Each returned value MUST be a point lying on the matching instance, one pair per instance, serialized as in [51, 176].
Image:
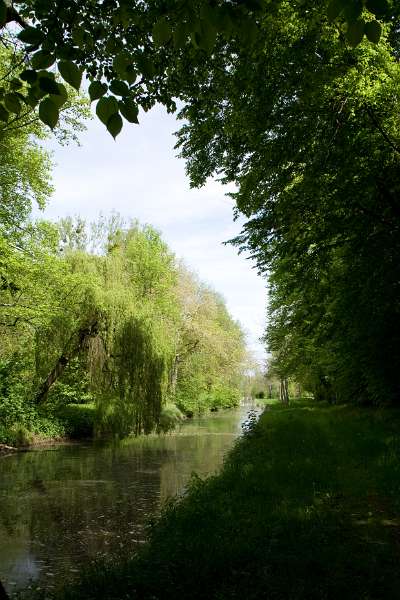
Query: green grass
[306, 507]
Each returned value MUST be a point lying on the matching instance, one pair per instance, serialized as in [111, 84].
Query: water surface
[65, 505]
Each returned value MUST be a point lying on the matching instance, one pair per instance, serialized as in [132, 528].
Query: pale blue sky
[140, 177]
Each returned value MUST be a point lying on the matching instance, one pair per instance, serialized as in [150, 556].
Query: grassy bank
[307, 506]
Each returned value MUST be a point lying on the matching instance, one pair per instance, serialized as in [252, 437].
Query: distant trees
[210, 349]
[124, 328]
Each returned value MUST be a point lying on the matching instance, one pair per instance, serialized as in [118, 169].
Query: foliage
[22, 117]
[210, 352]
[133, 52]
[170, 417]
[79, 419]
[105, 325]
[310, 138]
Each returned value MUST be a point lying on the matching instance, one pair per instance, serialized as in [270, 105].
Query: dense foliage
[115, 330]
[308, 129]
[297, 107]
[132, 51]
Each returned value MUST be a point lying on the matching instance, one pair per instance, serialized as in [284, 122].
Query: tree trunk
[75, 345]
[174, 374]
[284, 391]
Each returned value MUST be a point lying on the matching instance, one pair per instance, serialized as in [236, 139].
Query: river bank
[307, 506]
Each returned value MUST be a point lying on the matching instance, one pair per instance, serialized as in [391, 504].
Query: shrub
[78, 419]
[170, 417]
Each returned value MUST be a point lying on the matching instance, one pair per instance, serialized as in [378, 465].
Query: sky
[140, 176]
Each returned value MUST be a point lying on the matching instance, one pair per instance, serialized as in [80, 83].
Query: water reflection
[60, 507]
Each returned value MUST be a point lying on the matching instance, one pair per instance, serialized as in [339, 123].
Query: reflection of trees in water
[61, 508]
[65, 507]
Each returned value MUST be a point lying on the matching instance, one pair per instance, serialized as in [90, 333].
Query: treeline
[109, 321]
[308, 126]
[101, 329]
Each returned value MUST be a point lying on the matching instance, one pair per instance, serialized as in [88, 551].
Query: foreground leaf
[129, 110]
[373, 31]
[106, 107]
[48, 112]
[12, 103]
[97, 89]
[114, 125]
[4, 114]
[31, 35]
[70, 73]
[161, 32]
[355, 32]
[3, 13]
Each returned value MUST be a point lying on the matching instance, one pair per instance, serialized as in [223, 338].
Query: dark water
[62, 506]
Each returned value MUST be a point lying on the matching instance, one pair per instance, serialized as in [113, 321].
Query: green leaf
[78, 36]
[48, 112]
[355, 32]
[32, 99]
[13, 103]
[335, 8]
[42, 60]
[70, 73]
[48, 85]
[130, 74]
[15, 84]
[353, 10]
[31, 35]
[4, 114]
[119, 88]
[377, 7]
[121, 63]
[129, 110]
[97, 89]
[248, 31]
[145, 65]
[180, 35]
[106, 107]
[161, 32]
[373, 31]
[3, 13]
[29, 75]
[62, 96]
[114, 124]
[207, 38]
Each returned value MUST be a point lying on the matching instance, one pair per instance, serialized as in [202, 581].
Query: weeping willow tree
[118, 325]
[130, 382]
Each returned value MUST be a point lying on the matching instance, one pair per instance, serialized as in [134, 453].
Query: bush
[219, 397]
[78, 419]
[170, 417]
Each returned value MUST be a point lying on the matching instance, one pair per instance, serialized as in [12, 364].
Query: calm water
[63, 506]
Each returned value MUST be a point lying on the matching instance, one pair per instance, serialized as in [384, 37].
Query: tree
[210, 353]
[132, 52]
[310, 138]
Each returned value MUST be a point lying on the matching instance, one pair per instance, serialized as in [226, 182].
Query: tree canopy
[133, 52]
[308, 130]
